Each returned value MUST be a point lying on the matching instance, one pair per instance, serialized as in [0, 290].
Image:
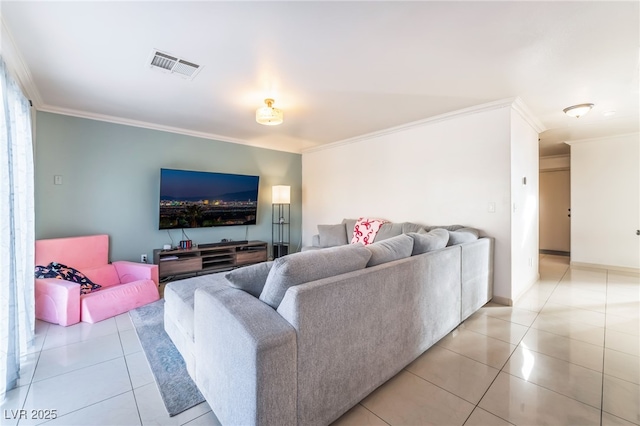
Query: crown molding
[152, 126]
[521, 108]
[515, 103]
[551, 157]
[17, 66]
[623, 135]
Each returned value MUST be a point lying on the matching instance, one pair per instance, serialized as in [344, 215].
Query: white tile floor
[566, 354]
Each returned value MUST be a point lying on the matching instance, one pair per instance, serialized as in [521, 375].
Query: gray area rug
[178, 391]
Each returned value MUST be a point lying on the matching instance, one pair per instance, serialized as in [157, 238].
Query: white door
[555, 202]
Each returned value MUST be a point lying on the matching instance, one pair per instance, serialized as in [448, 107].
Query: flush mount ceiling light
[578, 111]
[268, 115]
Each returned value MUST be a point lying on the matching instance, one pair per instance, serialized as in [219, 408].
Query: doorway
[555, 212]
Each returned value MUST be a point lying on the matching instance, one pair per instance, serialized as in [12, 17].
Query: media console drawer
[179, 266]
[251, 256]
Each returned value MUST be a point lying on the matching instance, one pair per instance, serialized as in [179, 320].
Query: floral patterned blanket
[67, 273]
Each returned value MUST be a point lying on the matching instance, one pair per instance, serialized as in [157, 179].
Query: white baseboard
[609, 267]
[511, 301]
[502, 300]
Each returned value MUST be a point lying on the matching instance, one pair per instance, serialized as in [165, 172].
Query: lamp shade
[281, 194]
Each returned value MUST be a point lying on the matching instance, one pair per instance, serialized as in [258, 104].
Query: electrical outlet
[143, 258]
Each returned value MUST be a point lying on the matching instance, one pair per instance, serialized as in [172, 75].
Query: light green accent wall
[111, 182]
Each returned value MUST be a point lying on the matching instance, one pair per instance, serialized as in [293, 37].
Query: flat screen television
[192, 199]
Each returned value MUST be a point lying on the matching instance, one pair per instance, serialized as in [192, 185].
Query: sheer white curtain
[17, 317]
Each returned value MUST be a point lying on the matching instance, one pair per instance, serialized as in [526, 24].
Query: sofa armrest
[132, 271]
[247, 358]
[57, 301]
[476, 275]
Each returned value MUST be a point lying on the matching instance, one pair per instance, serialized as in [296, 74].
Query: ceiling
[337, 69]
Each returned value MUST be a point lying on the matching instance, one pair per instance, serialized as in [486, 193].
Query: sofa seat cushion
[391, 249]
[463, 235]
[429, 241]
[332, 235]
[250, 278]
[179, 299]
[304, 267]
[117, 299]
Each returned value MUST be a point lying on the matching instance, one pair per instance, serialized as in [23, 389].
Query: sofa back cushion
[105, 275]
[332, 235]
[408, 227]
[448, 227]
[349, 224]
[429, 241]
[250, 278]
[463, 235]
[391, 249]
[80, 252]
[388, 230]
[303, 267]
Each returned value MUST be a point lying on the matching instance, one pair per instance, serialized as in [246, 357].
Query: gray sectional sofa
[301, 340]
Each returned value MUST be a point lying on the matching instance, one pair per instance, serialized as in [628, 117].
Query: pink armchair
[125, 285]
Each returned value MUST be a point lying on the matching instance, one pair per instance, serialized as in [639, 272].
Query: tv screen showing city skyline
[195, 199]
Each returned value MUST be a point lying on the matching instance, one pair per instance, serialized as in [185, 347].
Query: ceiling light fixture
[578, 111]
[268, 115]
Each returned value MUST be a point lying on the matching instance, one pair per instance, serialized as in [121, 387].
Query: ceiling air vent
[173, 65]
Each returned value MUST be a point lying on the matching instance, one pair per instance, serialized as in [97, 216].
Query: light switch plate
[57, 180]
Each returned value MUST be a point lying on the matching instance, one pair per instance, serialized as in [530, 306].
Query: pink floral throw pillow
[365, 230]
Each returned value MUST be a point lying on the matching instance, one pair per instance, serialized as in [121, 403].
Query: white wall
[605, 201]
[524, 205]
[438, 172]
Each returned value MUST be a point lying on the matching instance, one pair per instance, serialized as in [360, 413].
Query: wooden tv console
[205, 260]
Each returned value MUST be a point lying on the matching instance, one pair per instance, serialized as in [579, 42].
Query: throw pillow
[463, 235]
[250, 278]
[391, 249]
[304, 267]
[332, 235]
[432, 240]
[365, 230]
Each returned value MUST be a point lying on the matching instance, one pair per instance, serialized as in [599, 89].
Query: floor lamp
[280, 214]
